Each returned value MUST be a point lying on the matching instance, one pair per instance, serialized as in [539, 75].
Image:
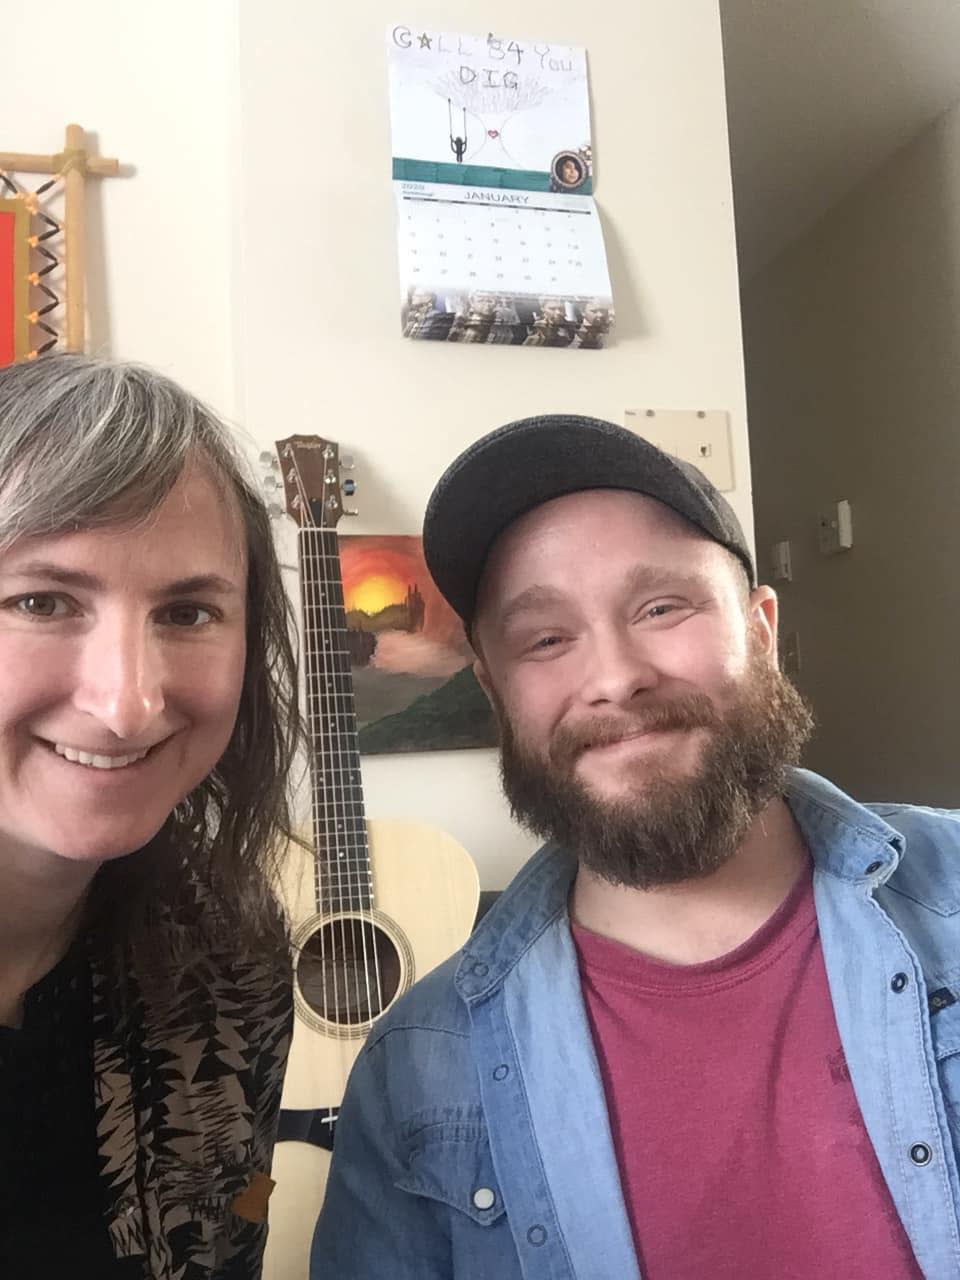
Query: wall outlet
[700, 436]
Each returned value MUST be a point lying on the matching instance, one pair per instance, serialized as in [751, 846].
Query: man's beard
[672, 827]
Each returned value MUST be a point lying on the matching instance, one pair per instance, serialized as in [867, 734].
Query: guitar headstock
[311, 471]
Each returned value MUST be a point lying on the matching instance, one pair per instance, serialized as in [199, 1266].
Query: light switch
[700, 436]
[781, 562]
[835, 528]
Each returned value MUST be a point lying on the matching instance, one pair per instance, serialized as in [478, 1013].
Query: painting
[412, 664]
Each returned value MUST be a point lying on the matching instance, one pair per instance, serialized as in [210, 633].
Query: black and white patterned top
[51, 1199]
[177, 1113]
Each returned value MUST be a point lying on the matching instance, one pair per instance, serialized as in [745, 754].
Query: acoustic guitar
[374, 905]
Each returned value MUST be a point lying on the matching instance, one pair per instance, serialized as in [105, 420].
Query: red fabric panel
[7, 292]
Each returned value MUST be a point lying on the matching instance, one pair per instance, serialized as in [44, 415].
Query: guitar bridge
[315, 1126]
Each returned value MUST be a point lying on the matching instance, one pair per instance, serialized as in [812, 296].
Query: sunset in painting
[375, 592]
[413, 684]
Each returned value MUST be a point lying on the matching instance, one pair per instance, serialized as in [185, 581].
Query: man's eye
[188, 615]
[42, 605]
[656, 611]
[547, 642]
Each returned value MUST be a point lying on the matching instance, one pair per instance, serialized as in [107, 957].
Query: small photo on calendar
[498, 235]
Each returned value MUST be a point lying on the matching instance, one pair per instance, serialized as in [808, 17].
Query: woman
[147, 724]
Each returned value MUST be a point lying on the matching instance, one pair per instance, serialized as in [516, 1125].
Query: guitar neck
[343, 876]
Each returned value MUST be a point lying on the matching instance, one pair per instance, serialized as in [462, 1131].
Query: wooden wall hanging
[42, 249]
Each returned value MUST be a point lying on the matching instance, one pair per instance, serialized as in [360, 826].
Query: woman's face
[570, 172]
[122, 654]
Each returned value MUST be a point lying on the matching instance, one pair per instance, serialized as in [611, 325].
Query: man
[595, 323]
[550, 328]
[711, 1028]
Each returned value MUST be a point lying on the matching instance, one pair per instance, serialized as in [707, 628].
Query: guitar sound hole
[349, 971]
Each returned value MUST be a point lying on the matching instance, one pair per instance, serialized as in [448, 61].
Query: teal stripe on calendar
[477, 175]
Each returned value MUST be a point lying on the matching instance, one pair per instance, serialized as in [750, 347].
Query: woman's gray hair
[86, 443]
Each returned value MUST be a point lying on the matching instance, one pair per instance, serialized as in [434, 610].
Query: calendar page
[498, 234]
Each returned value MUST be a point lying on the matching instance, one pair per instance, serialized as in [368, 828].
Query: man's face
[121, 647]
[628, 669]
[594, 314]
[553, 312]
[483, 305]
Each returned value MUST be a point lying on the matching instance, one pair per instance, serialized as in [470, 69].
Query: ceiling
[819, 93]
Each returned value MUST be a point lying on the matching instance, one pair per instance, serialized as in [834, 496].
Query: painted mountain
[412, 677]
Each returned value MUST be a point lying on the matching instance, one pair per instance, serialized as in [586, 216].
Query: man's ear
[763, 614]
[483, 680]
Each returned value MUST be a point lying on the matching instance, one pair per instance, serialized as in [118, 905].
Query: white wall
[853, 338]
[251, 252]
[320, 294]
[153, 84]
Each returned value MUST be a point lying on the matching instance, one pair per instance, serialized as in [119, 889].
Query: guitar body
[425, 890]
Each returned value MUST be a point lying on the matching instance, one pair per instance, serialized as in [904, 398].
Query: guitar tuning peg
[266, 458]
[349, 487]
[347, 462]
[274, 510]
[270, 483]
[350, 511]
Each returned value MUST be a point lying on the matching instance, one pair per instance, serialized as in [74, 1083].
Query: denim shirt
[474, 1142]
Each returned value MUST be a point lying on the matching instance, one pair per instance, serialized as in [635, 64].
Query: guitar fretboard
[343, 877]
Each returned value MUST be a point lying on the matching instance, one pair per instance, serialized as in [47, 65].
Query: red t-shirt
[742, 1151]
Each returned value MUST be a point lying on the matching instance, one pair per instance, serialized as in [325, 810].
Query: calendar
[499, 239]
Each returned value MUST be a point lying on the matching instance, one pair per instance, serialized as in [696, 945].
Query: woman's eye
[42, 605]
[188, 615]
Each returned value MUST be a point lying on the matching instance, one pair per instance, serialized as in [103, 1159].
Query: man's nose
[618, 667]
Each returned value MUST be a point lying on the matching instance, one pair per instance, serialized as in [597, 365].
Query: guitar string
[346, 837]
[349, 738]
[331, 845]
[330, 612]
[321, 770]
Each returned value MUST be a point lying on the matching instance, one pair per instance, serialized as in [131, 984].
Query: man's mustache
[696, 711]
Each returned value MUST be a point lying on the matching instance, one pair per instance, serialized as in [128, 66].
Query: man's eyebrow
[80, 579]
[639, 580]
[654, 578]
[528, 600]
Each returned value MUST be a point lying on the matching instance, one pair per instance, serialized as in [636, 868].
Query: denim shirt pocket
[446, 1158]
[945, 1032]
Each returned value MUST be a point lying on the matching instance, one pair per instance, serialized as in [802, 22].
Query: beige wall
[153, 84]
[853, 369]
[251, 253]
[321, 295]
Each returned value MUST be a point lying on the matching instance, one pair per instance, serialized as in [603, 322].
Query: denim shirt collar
[845, 839]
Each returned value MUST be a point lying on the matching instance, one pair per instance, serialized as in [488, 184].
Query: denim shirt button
[920, 1153]
[501, 1072]
[900, 980]
[480, 970]
[537, 1235]
[484, 1198]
